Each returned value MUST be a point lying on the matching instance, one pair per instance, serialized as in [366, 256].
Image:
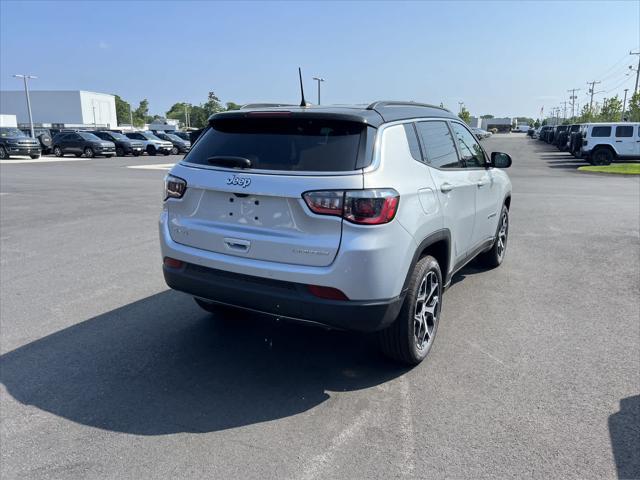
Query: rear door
[455, 186]
[625, 142]
[259, 212]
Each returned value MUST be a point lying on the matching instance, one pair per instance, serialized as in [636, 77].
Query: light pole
[319, 80]
[26, 77]
[130, 117]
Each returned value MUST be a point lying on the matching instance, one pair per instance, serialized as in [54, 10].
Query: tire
[45, 140]
[494, 257]
[34, 156]
[410, 337]
[151, 151]
[137, 154]
[119, 152]
[89, 153]
[601, 156]
[78, 155]
[175, 151]
[57, 151]
[3, 153]
[167, 153]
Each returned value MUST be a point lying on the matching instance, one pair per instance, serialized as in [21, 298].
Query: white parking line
[157, 166]
[16, 161]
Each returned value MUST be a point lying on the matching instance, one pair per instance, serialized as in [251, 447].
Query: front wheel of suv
[151, 150]
[89, 153]
[57, 151]
[175, 151]
[3, 153]
[410, 337]
[494, 257]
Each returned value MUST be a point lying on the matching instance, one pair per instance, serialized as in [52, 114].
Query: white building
[61, 106]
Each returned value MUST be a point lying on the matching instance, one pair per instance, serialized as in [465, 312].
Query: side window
[601, 132]
[440, 151]
[471, 154]
[624, 131]
[412, 138]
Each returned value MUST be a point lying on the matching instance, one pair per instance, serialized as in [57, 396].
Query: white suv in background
[603, 143]
[349, 217]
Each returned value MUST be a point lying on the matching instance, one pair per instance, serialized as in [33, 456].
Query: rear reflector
[328, 293]
[172, 262]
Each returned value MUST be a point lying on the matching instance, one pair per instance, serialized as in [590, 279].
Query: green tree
[536, 124]
[122, 111]
[233, 106]
[633, 109]
[141, 114]
[485, 117]
[465, 115]
[611, 110]
[212, 104]
[178, 111]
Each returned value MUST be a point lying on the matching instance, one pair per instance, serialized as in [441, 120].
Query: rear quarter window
[624, 131]
[601, 132]
[284, 144]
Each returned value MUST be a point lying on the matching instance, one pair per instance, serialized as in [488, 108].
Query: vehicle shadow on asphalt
[161, 365]
[624, 429]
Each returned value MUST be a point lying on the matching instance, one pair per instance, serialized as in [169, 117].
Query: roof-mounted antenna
[303, 102]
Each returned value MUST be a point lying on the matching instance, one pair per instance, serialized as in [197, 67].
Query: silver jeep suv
[349, 217]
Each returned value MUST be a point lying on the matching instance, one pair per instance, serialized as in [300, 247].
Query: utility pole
[460, 105]
[186, 116]
[26, 77]
[573, 100]
[318, 79]
[591, 91]
[564, 110]
[130, 116]
[635, 90]
[624, 104]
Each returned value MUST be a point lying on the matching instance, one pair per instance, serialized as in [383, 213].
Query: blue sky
[503, 58]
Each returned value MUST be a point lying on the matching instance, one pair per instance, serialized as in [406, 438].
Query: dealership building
[69, 107]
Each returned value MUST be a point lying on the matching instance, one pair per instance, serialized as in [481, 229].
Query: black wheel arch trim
[442, 235]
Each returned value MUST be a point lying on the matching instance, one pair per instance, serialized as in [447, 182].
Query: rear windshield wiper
[229, 162]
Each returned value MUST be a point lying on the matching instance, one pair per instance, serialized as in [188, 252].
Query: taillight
[172, 262]
[174, 187]
[364, 207]
[370, 207]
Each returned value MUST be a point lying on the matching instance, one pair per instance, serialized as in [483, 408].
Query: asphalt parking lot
[107, 374]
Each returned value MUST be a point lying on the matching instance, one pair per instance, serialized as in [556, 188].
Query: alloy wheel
[502, 235]
[425, 317]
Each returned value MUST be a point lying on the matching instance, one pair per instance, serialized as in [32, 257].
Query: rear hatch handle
[237, 244]
[229, 161]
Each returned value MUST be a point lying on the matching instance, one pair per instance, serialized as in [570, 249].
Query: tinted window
[601, 132]
[282, 143]
[438, 144]
[624, 131]
[471, 154]
[412, 138]
[575, 128]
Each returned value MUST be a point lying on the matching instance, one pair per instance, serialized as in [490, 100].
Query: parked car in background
[575, 146]
[182, 135]
[603, 143]
[43, 135]
[354, 218]
[530, 132]
[82, 143]
[542, 134]
[560, 138]
[480, 133]
[124, 145]
[179, 145]
[152, 144]
[572, 132]
[14, 142]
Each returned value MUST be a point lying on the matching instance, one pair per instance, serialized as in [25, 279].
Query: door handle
[482, 183]
[237, 244]
[446, 187]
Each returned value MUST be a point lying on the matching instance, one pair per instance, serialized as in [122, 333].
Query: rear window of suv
[283, 144]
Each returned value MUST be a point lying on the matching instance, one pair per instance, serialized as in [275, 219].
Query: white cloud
[103, 45]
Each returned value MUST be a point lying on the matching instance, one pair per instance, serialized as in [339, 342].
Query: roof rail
[401, 103]
[266, 105]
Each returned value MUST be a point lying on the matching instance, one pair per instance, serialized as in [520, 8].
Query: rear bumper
[282, 299]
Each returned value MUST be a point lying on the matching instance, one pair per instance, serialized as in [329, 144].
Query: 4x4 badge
[242, 181]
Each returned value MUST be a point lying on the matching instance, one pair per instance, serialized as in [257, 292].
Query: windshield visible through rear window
[285, 144]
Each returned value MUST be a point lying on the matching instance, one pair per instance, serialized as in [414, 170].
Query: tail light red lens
[174, 187]
[325, 203]
[364, 207]
[328, 293]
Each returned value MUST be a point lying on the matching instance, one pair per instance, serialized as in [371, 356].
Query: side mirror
[500, 160]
